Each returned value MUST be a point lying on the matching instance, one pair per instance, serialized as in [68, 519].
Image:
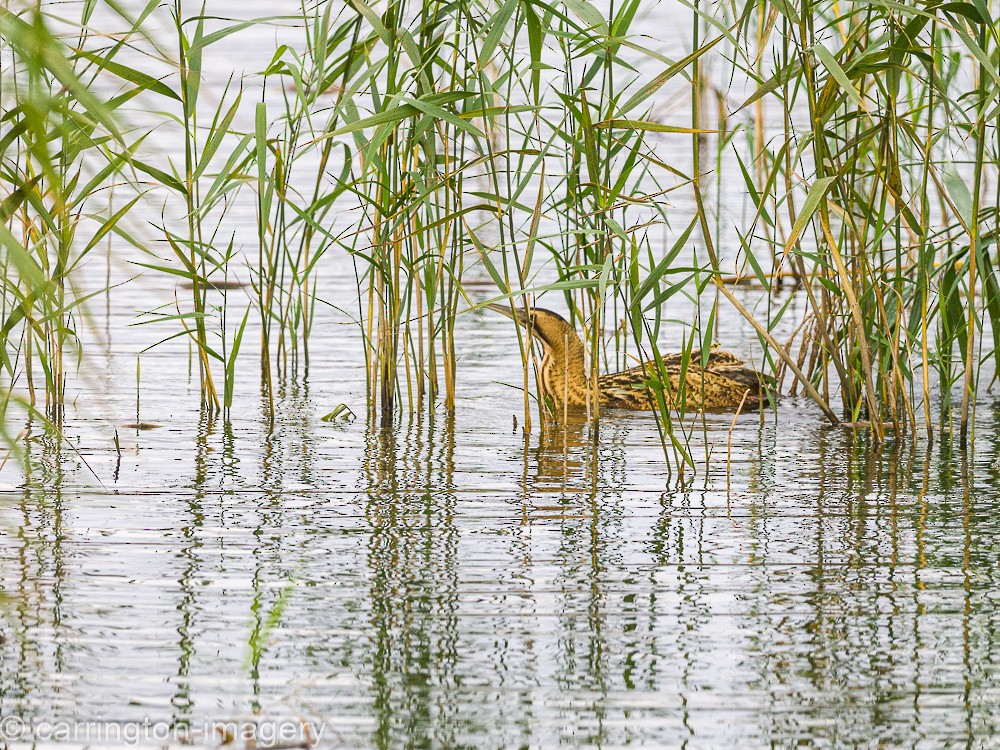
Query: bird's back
[722, 383]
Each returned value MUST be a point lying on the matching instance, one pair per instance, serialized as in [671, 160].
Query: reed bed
[538, 146]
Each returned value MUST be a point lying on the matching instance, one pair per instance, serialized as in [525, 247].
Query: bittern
[723, 382]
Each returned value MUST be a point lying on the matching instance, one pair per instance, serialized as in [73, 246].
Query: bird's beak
[505, 310]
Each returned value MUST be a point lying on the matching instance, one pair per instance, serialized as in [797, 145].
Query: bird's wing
[716, 358]
[632, 378]
[721, 384]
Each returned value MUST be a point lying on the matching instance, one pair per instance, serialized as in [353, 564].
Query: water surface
[456, 582]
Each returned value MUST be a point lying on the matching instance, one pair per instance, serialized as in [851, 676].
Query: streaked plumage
[720, 384]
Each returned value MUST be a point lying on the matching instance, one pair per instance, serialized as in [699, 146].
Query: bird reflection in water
[570, 465]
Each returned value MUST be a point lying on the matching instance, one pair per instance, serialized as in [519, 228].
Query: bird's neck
[563, 377]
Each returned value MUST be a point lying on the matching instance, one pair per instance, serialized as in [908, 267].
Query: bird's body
[724, 381]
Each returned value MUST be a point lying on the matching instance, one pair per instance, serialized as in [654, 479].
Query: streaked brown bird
[722, 383]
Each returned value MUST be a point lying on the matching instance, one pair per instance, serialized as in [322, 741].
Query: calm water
[455, 583]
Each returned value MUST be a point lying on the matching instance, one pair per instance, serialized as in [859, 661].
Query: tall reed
[60, 148]
[526, 143]
[871, 187]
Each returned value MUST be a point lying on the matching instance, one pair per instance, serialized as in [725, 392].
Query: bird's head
[552, 330]
[561, 375]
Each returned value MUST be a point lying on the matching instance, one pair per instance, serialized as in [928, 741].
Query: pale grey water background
[455, 584]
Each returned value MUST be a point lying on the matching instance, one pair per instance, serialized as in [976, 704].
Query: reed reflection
[413, 582]
[849, 614]
[577, 503]
[35, 574]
